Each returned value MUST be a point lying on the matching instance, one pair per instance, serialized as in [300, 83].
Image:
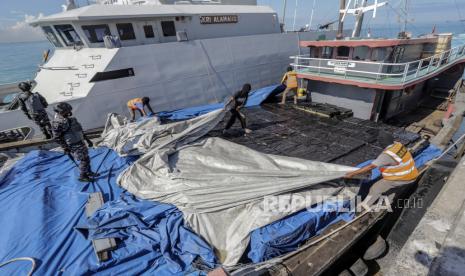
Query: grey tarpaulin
[8, 160]
[220, 186]
[140, 137]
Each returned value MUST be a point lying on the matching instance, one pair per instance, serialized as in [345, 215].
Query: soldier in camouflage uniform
[68, 133]
[33, 105]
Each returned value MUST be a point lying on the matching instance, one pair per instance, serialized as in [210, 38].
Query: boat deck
[291, 131]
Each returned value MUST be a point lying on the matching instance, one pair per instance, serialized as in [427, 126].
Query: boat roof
[372, 43]
[102, 12]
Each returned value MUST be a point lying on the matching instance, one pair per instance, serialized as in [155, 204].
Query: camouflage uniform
[68, 133]
[33, 105]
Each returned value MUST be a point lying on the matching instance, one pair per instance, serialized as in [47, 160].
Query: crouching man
[69, 134]
[397, 167]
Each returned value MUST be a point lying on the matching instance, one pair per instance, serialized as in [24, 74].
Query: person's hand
[349, 176]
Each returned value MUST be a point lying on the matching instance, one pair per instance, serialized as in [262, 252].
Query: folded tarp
[220, 186]
[255, 99]
[42, 203]
[140, 137]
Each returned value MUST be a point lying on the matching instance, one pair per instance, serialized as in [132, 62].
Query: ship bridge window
[148, 30]
[126, 31]
[379, 54]
[68, 34]
[343, 52]
[361, 53]
[51, 36]
[327, 52]
[168, 27]
[95, 33]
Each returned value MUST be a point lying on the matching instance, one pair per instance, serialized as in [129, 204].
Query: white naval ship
[178, 53]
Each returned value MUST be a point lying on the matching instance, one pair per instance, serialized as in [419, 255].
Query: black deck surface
[285, 130]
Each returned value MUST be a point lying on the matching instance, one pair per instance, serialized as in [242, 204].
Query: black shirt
[240, 98]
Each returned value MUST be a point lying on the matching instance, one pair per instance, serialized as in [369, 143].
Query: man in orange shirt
[290, 80]
[139, 104]
[397, 167]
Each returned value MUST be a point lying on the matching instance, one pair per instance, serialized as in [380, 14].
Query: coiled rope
[33, 267]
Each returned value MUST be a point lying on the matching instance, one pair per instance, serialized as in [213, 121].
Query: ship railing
[378, 72]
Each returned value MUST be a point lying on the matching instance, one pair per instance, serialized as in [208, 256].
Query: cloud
[21, 31]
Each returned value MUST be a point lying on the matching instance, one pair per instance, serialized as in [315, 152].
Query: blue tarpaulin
[43, 203]
[255, 99]
[286, 235]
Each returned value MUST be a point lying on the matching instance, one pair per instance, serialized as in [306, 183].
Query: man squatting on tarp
[139, 104]
[69, 134]
[397, 167]
[239, 100]
[33, 105]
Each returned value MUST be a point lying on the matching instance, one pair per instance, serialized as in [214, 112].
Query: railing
[58, 68]
[377, 72]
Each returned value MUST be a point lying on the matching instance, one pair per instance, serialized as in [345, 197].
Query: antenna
[359, 9]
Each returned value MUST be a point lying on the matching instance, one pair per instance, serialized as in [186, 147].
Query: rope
[22, 259]
[450, 148]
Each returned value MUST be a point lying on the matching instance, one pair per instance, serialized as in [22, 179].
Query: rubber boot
[86, 178]
[92, 174]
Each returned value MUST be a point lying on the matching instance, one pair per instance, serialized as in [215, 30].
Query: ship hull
[174, 75]
[382, 104]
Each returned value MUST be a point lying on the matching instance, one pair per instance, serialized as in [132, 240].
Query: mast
[405, 12]
[284, 14]
[359, 10]
[311, 16]
[295, 14]
[340, 28]
[359, 20]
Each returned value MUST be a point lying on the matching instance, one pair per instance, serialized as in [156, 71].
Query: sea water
[20, 61]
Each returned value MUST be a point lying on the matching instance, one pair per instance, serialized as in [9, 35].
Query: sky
[15, 14]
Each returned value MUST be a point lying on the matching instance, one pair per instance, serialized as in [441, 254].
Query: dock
[436, 246]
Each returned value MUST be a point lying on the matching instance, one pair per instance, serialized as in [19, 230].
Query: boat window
[95, 33]
[327, 52]
[343, 51]
[148, 30]
[51, 36]
[379, 54]
[360, 53]
[68, 34]
[169, 29]
[113, 75]
[126, 31]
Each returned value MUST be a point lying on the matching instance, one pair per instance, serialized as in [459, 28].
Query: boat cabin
[378, 78]
[114, 26]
